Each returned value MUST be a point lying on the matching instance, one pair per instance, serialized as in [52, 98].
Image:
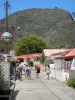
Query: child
[28, 71]
[37, 71]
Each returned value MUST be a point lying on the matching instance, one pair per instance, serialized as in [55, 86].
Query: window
[67, 66]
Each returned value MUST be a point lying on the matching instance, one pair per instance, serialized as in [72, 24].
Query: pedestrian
[36, 62]
[28, 72]
[24, 69]
[48, 71]
[17, 72]
[37, 71]
[20, 69]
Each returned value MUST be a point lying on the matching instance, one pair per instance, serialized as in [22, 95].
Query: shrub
[71, 82]
[31, 63]
[42, 59]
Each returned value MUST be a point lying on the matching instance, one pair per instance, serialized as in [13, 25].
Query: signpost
[6, 38]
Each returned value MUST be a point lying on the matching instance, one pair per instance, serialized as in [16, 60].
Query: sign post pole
[6, 38]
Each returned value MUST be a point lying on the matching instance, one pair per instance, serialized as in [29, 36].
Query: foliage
[71, 82]
[62, 36]
[30, 63]
[55, 25]
[30, 44]
[42, 59]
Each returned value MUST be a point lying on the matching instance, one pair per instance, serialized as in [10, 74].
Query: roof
[29, 55]
[61, 54]
[70, 54]
[49, 52]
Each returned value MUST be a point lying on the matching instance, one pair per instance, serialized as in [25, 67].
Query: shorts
[38, 71]
[28, 70]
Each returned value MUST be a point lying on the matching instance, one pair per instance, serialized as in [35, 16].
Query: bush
[42, 59]
[71, 82]
[31, 63]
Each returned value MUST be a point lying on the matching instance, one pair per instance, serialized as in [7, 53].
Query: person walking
[17, 76]
[36, 62]
[28, 72]
[24, 69]
[48, 71]
[37, 71]
[20, 69]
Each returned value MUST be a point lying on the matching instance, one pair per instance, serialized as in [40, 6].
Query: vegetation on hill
[55, 25]
[62, 35]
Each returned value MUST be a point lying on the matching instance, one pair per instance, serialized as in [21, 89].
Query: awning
[29, 56]
[70, 54]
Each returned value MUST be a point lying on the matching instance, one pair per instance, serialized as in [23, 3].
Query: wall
[72, 74]
[58, 71]
[65, 76]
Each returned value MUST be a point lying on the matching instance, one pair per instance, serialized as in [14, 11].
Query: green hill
[55, 25]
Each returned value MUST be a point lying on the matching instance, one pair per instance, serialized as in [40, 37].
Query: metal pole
[6, 4]
[6, 22]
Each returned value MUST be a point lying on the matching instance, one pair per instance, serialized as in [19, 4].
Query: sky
[17, 5]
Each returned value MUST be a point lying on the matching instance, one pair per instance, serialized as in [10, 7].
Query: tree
[1, 47]
[30, 44]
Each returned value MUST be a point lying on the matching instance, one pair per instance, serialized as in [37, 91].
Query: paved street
[42, 89]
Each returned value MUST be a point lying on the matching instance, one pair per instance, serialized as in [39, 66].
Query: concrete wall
[72, 74]
[58, 71]
[65, 76]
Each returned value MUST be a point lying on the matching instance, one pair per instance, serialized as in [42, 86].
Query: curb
[12, 91]
[62, 82]
[11, 95]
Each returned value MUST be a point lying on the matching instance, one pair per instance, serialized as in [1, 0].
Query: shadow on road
[15, 94]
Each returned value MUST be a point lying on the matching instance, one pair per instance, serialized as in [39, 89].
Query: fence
[4, 76]
[61, 70]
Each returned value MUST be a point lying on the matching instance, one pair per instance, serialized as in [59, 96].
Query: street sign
[6, 37]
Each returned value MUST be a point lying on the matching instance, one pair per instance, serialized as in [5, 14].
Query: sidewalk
[42, 89]
[59, 89]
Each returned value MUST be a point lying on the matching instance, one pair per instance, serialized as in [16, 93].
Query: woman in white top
[47, 71]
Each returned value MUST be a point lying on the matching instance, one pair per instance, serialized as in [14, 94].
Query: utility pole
[6, 22]
[6, 8]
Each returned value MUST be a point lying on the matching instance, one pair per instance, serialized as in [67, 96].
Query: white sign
[73, 64]
[6, 37]
[12, 52]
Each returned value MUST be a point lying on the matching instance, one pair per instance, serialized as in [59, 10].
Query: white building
[62, 66]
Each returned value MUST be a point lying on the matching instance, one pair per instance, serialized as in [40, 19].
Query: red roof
[29, 55]
[70, 54]
[50, 52]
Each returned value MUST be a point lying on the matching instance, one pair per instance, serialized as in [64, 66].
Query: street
[42, 89]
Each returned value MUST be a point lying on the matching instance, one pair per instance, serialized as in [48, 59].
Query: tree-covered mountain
[55, 25]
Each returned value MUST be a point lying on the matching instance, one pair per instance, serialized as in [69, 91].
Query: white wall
[65, 76]
[57, 63]
[25, 60]
[57, 72]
